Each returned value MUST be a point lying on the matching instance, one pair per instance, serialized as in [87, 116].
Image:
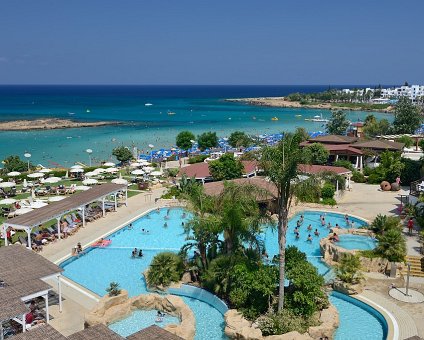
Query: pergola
[22, 278]
[58, 209]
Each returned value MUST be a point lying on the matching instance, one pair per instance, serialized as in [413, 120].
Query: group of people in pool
[323, 222]
[137, 253]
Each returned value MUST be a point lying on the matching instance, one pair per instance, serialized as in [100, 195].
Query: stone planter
[111, 309]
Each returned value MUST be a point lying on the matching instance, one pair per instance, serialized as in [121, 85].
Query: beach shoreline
[282, 102]
[49, 124]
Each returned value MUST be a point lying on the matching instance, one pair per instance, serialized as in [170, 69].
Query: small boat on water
[274, 118]
[171, 113]
[88, 111]
[71, 113]
[317, 118]
[148, 104]
[298, 116]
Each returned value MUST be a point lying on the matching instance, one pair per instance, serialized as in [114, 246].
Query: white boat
[317, 118]
[71, 113]
[171, 113]
[148, 104]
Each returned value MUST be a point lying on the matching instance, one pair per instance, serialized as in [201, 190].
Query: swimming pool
[140, 319]
[357, 319]
[360, 242]
[114, 263]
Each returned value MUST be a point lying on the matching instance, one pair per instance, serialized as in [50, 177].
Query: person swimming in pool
[297, 236]
[316, 232]
[145, 231]
[309, 238]
[301, 219]
[140, 253]
[296, 230]
[165, 225]
[130, 226]
[298, 223]
[309, 227]
[134, 253]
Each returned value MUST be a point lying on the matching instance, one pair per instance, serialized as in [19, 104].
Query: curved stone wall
[111, 309]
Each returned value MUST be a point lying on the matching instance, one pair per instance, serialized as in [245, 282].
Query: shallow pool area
[357, 319]
[359, 242]
[140, 319]
[163, 231]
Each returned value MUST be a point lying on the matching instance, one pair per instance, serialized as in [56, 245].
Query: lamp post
[151, 146]
[89, 151]
[27, 155]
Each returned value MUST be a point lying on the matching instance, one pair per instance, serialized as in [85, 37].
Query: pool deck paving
[364, 201]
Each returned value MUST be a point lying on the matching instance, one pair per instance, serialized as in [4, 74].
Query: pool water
[140, 319]
[310, 248]
[357, 319]
[100, 266]
[359, 242]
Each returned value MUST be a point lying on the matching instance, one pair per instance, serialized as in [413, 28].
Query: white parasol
[37, 204]
[75, 170]
[112, 170]
[1, 179]
[156, 173]
[35, 175]
[90, 174]
[22, 211]
[52, 180]
[13, 173]
[81, 188]
[148, 168]
[137, 172]
[76, 166]
[7, 185]
[89, 181]
[119, 181]
[45, 171]
[99, 170]
[109, 164]
[8, 201]
[56, 198]
[136, 164]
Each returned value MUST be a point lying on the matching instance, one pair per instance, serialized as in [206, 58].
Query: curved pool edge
[392, 325]
[389, 319]
[318, 209]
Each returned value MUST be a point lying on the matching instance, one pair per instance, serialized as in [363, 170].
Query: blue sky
[211, 42]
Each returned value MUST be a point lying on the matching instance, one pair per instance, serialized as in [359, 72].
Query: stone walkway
[406, 324]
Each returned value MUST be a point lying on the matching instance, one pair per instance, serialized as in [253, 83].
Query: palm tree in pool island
[280, 164]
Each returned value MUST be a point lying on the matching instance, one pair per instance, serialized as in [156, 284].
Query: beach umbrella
[137, 172]
[52, 180]
[7, 185]
[22, 211]
[89, 181]
[90, 174]
[38, 204]
[148, 168]
[56, 198]
[109, 164]
[76, 170]
[156, 173]
[76, 166]
[81, 188]
[45, 171]
[99, 170]
[8, 201]
[112, 170]
[13, 174]
[1, 179]
[35, 175]
[119, 181]
[136, 164]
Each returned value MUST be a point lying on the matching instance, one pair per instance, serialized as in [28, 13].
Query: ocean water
[196, 108]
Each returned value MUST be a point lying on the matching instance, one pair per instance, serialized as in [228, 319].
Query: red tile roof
[316, 169]
[201, 170]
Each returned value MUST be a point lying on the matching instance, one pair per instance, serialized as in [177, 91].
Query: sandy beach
[48, 124]
[283, 102]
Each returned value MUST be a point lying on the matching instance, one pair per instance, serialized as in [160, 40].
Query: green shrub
[408, 141]
[329, 201]
[357, 177]
[411, 171]
[328, 191]
[172, 172]
[284, 322]
[367, 171]
[197, 159]
[375, 178]
[164, 269]
[344, 163]
[383, 223]
[171, 193]
[349, 269]
[113, 289]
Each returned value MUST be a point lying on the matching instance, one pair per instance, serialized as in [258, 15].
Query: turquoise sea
[196, 108]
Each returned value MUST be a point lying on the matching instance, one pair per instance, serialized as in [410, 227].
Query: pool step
[416, 266]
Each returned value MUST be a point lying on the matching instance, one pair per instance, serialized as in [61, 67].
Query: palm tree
[165, 268]
[392, 245]
[280, 163]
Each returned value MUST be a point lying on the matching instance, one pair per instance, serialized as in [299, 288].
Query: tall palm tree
[280, 164]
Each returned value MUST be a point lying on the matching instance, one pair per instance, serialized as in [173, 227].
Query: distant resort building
[390, 95]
